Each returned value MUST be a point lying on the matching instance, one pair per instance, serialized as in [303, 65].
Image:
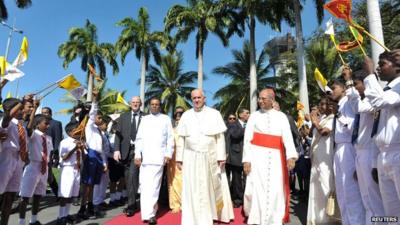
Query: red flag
[340, 9]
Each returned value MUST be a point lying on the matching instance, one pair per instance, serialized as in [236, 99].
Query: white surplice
[264, 200]
[205, 190]
[154, 141]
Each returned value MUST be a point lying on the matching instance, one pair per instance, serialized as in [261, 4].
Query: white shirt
[388, 102]
[67, 145]
[94, 139]
[36, 146]
[366, 111]
[344, 121]
[270, 122]
[155, 139]
[11, 143]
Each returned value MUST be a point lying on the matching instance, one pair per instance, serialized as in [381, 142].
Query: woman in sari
[322, 178]
[174, 174]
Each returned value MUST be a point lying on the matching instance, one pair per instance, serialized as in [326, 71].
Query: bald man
[268, 154]
[124, 152]
[200, 153]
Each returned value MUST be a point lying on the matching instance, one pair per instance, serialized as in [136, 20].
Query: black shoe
[152, 221]
[36, 223]
[70, 219]
[129, 211]
[62, 221]
[99, 214]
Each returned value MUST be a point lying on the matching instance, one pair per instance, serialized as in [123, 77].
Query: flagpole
[340, 54]
[52, 84]
[362, 29]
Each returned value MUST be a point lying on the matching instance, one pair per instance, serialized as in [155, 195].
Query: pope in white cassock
[201, 156]
[268, 154]
[153, 149]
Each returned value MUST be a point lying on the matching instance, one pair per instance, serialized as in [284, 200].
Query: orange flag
[340, 9]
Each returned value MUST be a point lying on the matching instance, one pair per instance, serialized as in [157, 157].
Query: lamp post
[12, 30]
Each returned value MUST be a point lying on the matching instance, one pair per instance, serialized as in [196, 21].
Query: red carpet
[165, 217]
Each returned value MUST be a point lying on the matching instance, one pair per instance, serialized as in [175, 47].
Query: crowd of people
[345, 156]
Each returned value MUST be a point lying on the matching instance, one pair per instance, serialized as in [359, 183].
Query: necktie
[356, 127]
[44, 155]
[23, 153]
[334, 129]
[377, 115]
[133, 128]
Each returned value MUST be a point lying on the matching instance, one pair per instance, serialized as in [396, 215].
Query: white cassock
[154, 142]
[347, 189]
[366, 157]
[266, 138]
[205, 190]
[388, 141]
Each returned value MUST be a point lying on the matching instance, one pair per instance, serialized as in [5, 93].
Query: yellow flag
[9, 95]
[321, 81]
[300, 106]
[120, 99]
[23, 53]
[3, 64]
[69, 83]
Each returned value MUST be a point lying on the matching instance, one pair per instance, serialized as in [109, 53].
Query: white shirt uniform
[154, 141]
[264, 200]
[33, 181]
[69, 173]
[347, 189]
[387, 140]
[94, 138]
[11, 164]
[366, 156]
[205, 190]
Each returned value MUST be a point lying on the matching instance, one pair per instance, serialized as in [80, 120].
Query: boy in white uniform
[71, 150]
[14, 150]
[34, 178]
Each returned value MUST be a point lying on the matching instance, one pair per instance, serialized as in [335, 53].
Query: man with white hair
[201, 155]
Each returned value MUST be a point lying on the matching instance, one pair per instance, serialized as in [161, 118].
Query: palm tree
[136, 35]
[83, 42]
[271, 12]
[231, 99]
[202, 17]
[168, 82]
[303, 91]
[20, 4]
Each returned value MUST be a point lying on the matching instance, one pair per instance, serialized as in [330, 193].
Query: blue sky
[46, 24]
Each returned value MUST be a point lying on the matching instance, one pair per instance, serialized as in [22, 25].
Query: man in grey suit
[124, 152]
[234, 166]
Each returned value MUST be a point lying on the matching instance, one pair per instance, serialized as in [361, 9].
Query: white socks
[67, 208]
[33, 219]
[61, 212]
[21, 221]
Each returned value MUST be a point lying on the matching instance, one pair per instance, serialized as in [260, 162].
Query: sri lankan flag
[346, 46]
[340, 9]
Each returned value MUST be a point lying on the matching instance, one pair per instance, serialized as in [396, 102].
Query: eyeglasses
[231, 118]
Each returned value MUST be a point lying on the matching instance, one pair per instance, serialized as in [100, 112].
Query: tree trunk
[303, 91]
[375, 28]
[90, 86]
[253, 71]
[142, 78]
[200, 66]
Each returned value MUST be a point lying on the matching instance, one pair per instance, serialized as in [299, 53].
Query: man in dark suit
[234, 166]
[128, 124]
[55, 131]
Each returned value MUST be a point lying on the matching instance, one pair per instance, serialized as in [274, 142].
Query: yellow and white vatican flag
[121, 99]
[321, 81]
[71, 84]
[9, 72]
[23, 54]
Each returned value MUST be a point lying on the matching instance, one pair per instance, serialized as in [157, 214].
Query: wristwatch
[349, 83]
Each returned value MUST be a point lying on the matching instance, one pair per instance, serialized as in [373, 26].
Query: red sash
[276, 142]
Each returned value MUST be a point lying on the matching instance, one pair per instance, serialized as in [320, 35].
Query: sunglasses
[231, 118]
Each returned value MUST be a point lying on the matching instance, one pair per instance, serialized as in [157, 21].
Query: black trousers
[132, 181]
[236, 183]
